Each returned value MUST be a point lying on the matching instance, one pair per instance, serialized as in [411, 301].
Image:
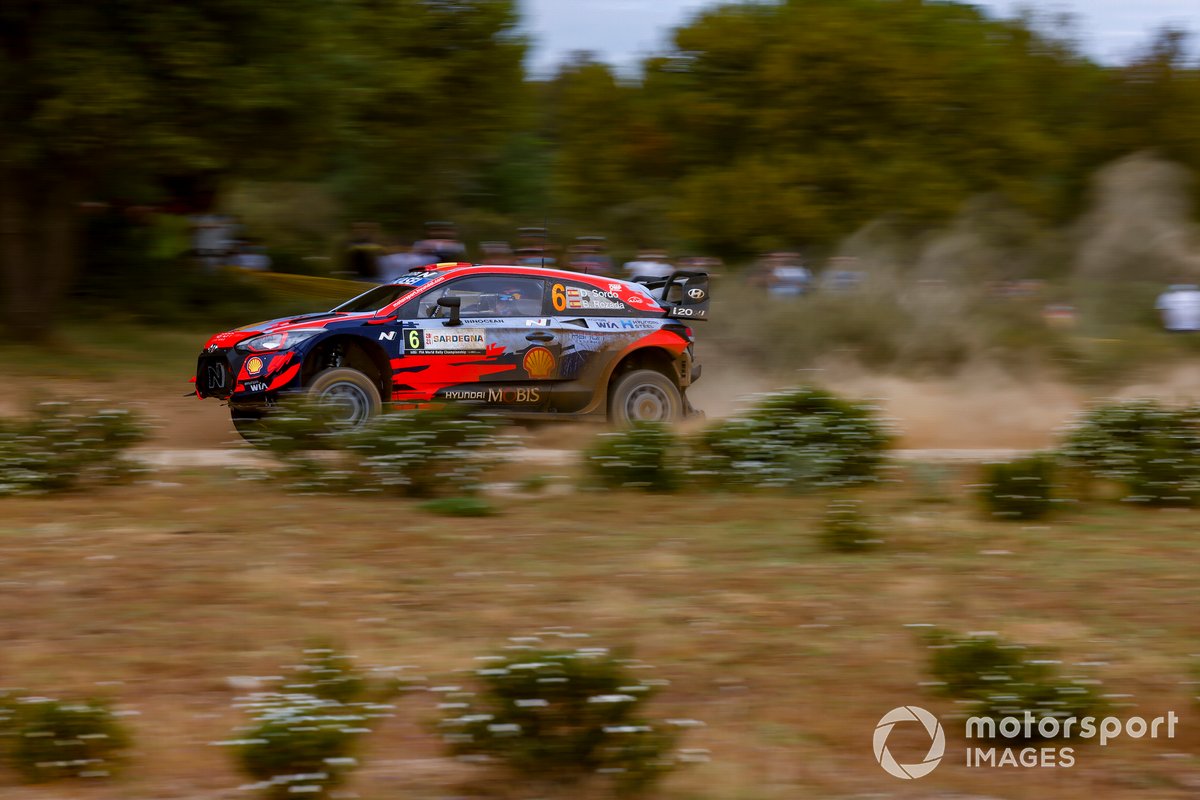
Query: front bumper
[226, 374]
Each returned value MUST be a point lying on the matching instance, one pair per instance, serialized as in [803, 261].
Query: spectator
[649, 264]
[786, 275]
[212, 238]
[250, 254]
[1180, 308]
[362, 254]
[441, 241]
[588, 256]
[399, 260]
[498, 253]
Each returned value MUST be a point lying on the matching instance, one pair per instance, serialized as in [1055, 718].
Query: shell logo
[254, 365]
[539, 363]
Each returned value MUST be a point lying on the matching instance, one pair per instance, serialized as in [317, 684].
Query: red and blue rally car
[525, 341]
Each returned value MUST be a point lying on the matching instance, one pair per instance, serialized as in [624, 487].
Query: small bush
[57, 448]
[1019, 490]
[427, 453]
[644, 456]
[303, 739]
[557, 716]
[460, 507]
[800, 439]
[998, 679]
[299, 743]
[329, 674]
[52, 739]
[846, 529]
[1152, 450]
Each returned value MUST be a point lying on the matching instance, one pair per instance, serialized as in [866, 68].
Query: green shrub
[299, 743]
[644, 456]
[1150, 449]
[57, 448]
[52, 739]
[799, 439]
[425, 453]
[1021, 489]
[460, 507]
[558, 716]
[329, 674]
[302, 740]
[845, 529]
[998, 679]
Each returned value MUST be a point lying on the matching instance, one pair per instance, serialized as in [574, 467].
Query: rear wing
[684, 294]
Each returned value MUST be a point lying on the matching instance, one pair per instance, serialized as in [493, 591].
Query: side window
[487, 296]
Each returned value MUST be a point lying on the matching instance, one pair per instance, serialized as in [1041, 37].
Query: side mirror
[455, 306]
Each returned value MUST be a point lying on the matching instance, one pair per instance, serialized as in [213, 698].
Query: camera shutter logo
[937, 747]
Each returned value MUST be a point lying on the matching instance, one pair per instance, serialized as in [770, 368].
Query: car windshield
[375, 299]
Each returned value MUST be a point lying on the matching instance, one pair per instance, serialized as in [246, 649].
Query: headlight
[273, 342]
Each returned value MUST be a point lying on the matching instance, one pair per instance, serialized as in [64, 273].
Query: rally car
[524, 341]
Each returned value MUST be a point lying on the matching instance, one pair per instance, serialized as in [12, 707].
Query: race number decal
[447, 342]
[558, 297]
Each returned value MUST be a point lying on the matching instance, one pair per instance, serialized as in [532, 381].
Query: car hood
[283, 324]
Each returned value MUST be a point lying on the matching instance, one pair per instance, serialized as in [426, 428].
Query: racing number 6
[414, 339]
[558, 297]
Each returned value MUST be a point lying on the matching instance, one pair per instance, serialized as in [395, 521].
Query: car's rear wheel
[351, 397]
[645, 395]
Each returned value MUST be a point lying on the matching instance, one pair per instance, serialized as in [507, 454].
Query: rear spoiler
[684, 294]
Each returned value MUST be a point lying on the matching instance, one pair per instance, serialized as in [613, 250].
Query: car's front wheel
[351, 397]
[645, 395]
[248, 422]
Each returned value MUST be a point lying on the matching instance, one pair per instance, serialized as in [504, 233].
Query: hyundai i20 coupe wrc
[523, 341]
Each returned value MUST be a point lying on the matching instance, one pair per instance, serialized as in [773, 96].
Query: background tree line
[763, 125]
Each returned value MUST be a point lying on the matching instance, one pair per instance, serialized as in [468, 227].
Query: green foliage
[1022, 489]
[561, 716]
[998, 679]
[845, 529]
[804, 438]
[329, 674]
[299, 743]
[53, 740]
[460, 507]
[426, 453]
[59, 447]
[303, 740]
[1151, 449]
[644, 456]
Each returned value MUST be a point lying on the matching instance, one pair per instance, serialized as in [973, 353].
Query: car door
[503, 354]
[595, 322]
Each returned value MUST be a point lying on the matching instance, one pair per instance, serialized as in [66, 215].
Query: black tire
[644, 395]
[248, 422]
[352, 396]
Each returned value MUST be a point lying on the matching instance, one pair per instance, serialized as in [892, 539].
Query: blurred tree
[401, 103]
[434, 95]
[800, 121]
[103, 95]
[1154, 102]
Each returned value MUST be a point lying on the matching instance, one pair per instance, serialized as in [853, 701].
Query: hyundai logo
[696, 294]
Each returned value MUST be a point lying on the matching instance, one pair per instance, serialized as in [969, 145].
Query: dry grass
[155, 595]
